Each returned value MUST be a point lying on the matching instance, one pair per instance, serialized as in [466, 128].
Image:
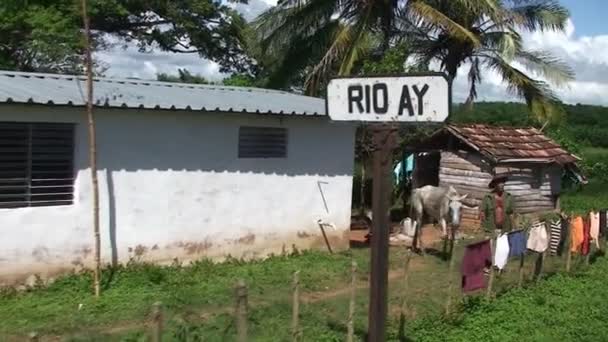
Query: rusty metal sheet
[513, 143]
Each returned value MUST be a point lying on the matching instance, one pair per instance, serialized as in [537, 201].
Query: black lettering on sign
[420, 95]
[406, 101]
[380, 91]
[355, 96]
[367, 98]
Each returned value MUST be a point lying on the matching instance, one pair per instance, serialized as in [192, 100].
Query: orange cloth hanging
[578, 234]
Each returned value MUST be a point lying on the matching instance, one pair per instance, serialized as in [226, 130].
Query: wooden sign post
[386, 101]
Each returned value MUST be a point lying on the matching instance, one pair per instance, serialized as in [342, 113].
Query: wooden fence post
[448, 303]
[521, 270]
[157, 321]
[241, 311]
[350, 324]
[569, 251]
[295, 314]
[539, 265]
[491, 280]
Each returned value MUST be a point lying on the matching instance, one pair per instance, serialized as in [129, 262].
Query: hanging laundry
[603, 222]
[578, 235]
[501, 254]
[594, 232]
[538, 240]
[586, 236]
[556, 233]
[517, 243]
[565, 226]
[477, 257]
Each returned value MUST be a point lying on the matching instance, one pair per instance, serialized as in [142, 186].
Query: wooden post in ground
[569, 251]
[241, 311]
[157, 322]
[521, 270]
[350, 324]
[295, 314]
[491, 280]
[538, 267]
[448, 303]
[384, 143]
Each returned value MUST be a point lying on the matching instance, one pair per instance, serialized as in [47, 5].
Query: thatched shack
[468, 156]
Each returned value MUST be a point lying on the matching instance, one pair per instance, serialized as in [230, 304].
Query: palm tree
[499, 48]
[312, 40]
[315, 39]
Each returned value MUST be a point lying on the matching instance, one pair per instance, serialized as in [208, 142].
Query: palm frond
[278, 25]
[546, 65]
[541, 16]
[474, 78]
[505, 43]
[432, 15]
[543, 103]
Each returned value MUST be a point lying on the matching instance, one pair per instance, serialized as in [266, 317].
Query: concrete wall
[171, 186]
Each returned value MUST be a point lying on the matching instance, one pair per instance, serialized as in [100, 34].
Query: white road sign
[408, 98]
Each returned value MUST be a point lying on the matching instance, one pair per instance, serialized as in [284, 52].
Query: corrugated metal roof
[50, 89]
[511, 144]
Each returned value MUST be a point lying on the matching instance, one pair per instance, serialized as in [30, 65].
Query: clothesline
[542, 236]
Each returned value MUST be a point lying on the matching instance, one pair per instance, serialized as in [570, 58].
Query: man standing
[496, 213]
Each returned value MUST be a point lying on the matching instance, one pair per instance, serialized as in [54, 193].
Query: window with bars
[262, 142]
[36, 164]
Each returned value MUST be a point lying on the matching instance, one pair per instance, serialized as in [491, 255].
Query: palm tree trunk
[92, 149]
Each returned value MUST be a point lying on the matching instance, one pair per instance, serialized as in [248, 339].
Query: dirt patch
[247, 239]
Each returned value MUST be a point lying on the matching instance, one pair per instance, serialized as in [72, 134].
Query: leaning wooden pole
[92, 149]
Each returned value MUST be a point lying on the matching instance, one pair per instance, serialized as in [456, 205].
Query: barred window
[36, 164]
[262, 142]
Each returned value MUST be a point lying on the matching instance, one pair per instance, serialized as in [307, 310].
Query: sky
[583, 46]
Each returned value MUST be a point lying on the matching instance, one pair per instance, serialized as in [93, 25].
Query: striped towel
[556, 231]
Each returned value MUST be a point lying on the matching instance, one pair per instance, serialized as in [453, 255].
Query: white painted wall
[171, 186]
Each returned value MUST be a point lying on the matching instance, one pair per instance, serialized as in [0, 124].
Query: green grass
[562, 308]
[198, 300]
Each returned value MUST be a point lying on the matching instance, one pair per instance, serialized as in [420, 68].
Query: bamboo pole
[241, 311]
[157, 322]
[350, 324]
[295, 314]
[92, 149]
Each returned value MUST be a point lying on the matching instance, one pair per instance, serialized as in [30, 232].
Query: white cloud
[587, 55]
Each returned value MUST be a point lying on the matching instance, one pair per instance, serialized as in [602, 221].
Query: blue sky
[589, 16]
[583, 46]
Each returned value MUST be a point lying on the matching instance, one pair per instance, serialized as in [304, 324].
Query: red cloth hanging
[586, 236]
[477, 256]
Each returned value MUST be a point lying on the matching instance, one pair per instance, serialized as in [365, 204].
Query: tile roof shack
[50, 89]
[468, 156]
[503, 144]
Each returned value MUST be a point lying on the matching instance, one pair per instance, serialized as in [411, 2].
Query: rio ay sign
[408, 98]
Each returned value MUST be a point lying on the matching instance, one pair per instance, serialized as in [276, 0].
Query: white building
[185, 172]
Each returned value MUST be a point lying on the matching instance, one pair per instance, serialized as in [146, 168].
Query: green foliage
[240, 80]
[42, 35]
[183, 76]
[563, 308]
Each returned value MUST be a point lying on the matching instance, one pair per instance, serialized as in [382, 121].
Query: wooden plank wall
[469, 174]
[533, 186]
